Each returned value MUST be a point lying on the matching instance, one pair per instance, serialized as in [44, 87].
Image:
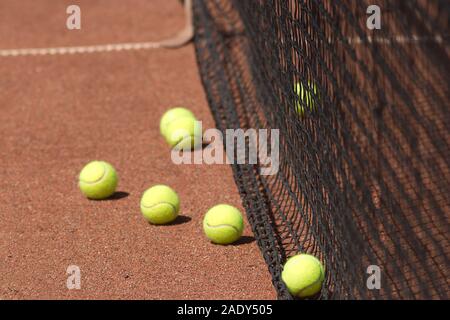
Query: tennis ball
[98, 180]
[303, 275]
[306, 97]
[184, 133]
[160, 204]
[171, 115]
[223, 224]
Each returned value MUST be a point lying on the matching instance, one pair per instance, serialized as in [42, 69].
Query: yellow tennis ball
[183, 133]
[160, 204]
[223, 224]
[303, 275]
[98, 180]
[171, 115]
[306, 96]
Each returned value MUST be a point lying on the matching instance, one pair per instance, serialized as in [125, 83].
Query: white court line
[184, 39]
[80, 50]
[396, 39]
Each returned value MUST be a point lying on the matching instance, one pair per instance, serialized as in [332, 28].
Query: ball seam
[322, 275]
[159, 203]
[98, 180]
[223, 225]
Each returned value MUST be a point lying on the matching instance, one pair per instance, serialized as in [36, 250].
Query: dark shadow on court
[179, 220]
[116, 196]
[244, 240]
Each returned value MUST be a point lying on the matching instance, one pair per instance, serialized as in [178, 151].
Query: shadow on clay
[115, 196]
[179, 220]
[244, 240]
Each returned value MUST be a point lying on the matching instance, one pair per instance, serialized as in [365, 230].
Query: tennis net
[364, 152]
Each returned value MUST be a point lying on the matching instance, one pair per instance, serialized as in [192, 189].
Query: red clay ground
[58, 113]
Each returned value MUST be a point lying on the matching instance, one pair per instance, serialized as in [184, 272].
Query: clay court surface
[60, 112]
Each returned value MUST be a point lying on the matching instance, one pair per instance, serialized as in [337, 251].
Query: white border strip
[80, 50]
[396, 39]
[183, 39]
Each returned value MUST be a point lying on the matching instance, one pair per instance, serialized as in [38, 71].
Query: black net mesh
[364, 155]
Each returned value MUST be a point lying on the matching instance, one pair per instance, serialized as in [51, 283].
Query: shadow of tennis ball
[307, 97]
